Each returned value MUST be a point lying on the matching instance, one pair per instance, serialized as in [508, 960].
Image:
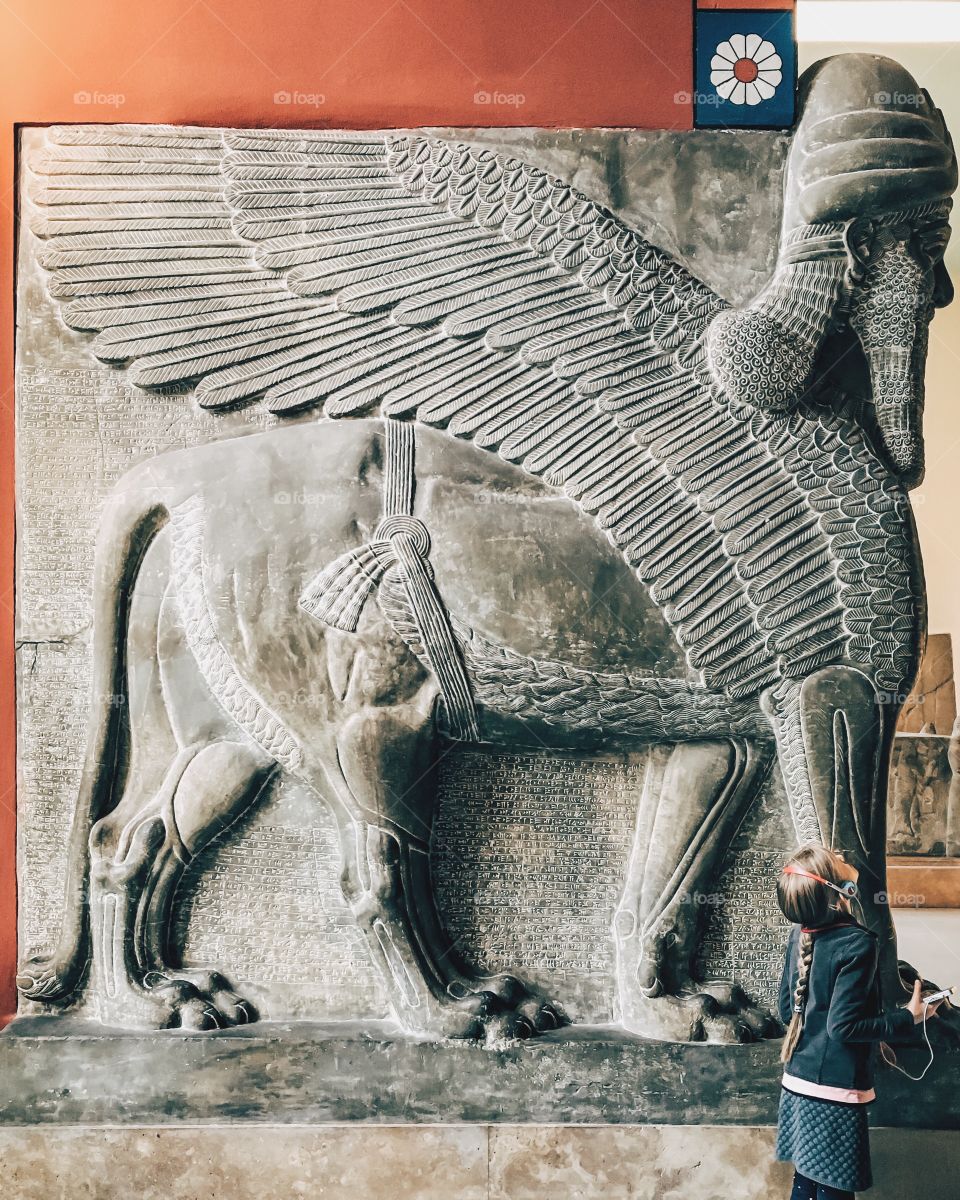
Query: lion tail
[130, 522]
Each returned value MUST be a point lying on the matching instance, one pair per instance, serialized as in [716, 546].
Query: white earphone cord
[892, 1062]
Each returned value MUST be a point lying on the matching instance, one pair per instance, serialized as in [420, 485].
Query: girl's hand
[917, 1006]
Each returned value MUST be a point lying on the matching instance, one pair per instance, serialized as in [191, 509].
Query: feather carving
[465, 289]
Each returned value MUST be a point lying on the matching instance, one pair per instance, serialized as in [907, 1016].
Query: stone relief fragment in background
[924, 805]
[932, 704]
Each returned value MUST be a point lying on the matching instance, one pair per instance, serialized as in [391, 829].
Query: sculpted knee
[217, 785]
[120, 853]
[104, 838]
[386, 755]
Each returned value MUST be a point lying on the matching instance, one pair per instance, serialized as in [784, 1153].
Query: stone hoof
[46, 978]
[200, 999]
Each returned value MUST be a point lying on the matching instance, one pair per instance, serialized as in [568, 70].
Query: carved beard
[891, 316]
[763, 356]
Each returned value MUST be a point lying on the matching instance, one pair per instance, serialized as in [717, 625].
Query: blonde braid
[804, 959]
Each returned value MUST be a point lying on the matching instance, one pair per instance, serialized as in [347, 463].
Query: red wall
[347, 63]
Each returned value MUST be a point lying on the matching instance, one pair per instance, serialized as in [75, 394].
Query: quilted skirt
[826, 1141]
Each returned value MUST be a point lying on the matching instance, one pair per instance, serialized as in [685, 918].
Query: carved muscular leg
[694, 797]
[137, 856]
[386, 757]
[847, 736]
[193, 774]
[219, 786]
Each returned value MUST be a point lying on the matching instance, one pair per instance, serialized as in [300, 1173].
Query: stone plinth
[57, 1071]
[922, 882]
[476, 1162]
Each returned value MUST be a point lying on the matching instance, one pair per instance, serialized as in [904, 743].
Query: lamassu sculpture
[704, 544]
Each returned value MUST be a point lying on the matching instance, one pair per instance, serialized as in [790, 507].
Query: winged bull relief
[462, 325]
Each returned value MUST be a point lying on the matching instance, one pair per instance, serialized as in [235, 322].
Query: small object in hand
[923, 1006]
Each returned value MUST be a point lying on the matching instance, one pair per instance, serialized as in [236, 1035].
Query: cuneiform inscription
[79, 428]
[266, 906]
[529, 856]
[745, 931]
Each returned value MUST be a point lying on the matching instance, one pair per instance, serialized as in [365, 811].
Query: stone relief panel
[262, 901]
[924, 805]
[932, 704]
[486, 732]
[529, 856]
[265, 900]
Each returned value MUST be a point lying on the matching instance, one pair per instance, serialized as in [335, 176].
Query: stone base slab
[58, 1071]
[429, 1162]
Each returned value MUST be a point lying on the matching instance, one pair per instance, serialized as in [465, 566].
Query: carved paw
[47, 978]
[198, 999]
[716, 1012]
[737, 1009]
[499, 1008]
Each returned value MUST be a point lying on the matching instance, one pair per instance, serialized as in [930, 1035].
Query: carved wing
[209, 258]
[473, 292]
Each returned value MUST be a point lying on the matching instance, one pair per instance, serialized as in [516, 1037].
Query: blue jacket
[842, 1017]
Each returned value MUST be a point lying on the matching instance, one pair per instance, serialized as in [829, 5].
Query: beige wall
[937, 502]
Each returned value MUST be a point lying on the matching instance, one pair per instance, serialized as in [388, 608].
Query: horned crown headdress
[870, 149]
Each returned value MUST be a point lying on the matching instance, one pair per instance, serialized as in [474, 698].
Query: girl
[830, 1002]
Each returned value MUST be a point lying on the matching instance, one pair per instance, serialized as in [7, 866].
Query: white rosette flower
[746, 69]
